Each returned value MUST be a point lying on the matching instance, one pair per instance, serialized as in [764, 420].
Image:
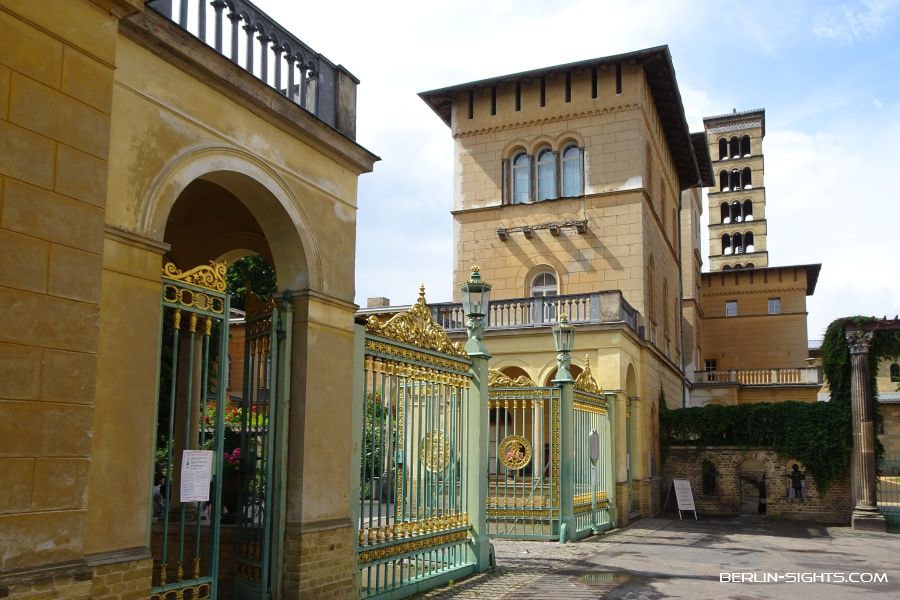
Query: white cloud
[850, 22]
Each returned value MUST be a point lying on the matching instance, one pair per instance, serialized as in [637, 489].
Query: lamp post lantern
[564, 339]
[476, 295]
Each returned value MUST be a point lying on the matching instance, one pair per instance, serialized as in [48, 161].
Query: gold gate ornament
[515, 452]
[435, 451]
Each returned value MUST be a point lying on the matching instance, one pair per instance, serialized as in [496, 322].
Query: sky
[827, 74]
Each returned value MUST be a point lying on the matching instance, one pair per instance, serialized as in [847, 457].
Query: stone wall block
[74, 274]
[47, 321]
[60, 483]
[44, 429]
[49, 216]
[29, 51]
[80, 176]
[40, 538]
[5, 75]
[20, 372]
[24, 154]
[23, 262]
[68, 377]
[58, 116]
[87, 79]
[15, 481]
[96, 33]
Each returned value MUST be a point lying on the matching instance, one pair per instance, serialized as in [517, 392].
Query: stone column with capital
[865, 514]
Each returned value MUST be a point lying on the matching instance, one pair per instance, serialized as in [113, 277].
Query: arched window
[521, 176]
[895, 372]
[546, 174]
[735, 147]
[735, 180]
[748, 242]
[651, 284]
[665, 307]
[745, 145]
[543, 284]
[723, 181]
[726, 267]
[572, 176]
[747, 178]
[737, 241]
[725, 214]
[736, 212]
[723, 149]
[726, 244]
[748, 210]
[748, 266]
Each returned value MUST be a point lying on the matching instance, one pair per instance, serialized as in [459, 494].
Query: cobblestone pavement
[665, 558]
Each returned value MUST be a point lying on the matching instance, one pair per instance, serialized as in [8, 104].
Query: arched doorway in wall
[753, 487]
[631, 399]
[222, 215]
[575, 370]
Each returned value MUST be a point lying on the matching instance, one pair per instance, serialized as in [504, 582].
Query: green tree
[249, 272]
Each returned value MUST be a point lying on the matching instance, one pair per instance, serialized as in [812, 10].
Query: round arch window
[544, 284]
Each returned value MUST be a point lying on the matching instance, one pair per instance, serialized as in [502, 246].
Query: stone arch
[631, 390]
[540, 142]
[567, 137]
[263, 192]
[513, 147]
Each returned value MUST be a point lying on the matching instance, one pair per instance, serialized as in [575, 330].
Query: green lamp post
[564, 339]
[476, 296]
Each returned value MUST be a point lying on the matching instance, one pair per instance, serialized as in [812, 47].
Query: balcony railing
[516, 313]
[803, 376]
[255, 42]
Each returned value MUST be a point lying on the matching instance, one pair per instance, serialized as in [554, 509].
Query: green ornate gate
[549, 458]
[523, 459]
[413, 413]
[260, 484]
[194, 348]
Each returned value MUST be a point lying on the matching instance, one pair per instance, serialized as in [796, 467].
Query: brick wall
[320, 562]
[116, 580]
[832, 505]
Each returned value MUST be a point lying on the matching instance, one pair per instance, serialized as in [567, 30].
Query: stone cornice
[136, 240]
[549, 119]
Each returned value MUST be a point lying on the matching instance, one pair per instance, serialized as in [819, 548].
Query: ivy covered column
[865, 513]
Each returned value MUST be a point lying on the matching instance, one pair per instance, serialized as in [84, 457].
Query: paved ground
[665, 558]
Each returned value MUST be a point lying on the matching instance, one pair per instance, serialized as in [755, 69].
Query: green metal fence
[258, 531]
[185, 534]
[889, 489]
[413, 414]
[593, 463]
[523, 462]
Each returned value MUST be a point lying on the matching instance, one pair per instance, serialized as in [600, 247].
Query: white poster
[196, 473]
[683, 494]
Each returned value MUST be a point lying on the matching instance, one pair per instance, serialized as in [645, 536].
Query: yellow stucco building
[126, 142]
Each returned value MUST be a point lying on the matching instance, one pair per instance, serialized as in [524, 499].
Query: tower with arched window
[737, 201]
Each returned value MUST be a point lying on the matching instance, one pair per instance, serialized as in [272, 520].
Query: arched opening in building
[737, 242]
[727, 250]
[745, 145]
[521, 178]
[726, 267]
[543, 284]
[748, 210]
[735, 147]
[546, 174]
[723, 181]
[749, 265]
[724, 213]
[747, 178]
[709, 478]
[754, 487]
[734, 179]
[575, 370]
[895, 372]
[723, 149]
[220, 215]
[736, 216]
[748, 242]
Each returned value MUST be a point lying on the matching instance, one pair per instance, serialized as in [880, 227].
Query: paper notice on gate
[196, 473]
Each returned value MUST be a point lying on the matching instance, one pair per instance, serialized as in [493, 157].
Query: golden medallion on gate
[435, 451]
[514, 452]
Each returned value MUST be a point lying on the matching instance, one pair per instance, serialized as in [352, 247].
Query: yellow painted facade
[124, 140]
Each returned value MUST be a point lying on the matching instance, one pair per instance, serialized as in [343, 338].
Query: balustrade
[797, 376]
[254, 41]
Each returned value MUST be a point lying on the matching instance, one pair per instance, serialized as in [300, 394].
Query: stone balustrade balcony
[519, 313]
[752, 377]
[242, 32]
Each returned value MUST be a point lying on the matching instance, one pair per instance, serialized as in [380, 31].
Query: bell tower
[737, 201]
